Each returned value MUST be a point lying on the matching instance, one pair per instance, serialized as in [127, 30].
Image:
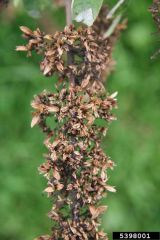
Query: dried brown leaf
[53, 109]
[56, 174]
[47, 69]
[21, 48]
[110, 188]
[95, 212]
[26, 30]
[60, 186]
[54, 155]
[35, 120]
[49, 190]
[85, 82]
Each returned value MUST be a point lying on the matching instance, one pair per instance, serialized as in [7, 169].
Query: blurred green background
[133, 141]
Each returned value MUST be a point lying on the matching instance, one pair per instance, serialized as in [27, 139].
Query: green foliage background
[133, 141]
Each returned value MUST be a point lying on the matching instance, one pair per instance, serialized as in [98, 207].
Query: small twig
[114, 9]
[68, 12]
[112, 27]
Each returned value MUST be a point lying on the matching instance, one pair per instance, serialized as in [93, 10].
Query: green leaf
[86, 11]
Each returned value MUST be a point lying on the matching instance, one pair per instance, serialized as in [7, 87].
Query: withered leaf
[56, 174]
[74, 230]
[69, 187]
[104, 131]
[103, 175]
[95, 212]
[110, 164]
[60, 51]
[64, 109]
[91, 119]
[76, 126]
[44, 168]
[55, 143]
[35, 120]
[50, 52]
[48, 37]
[77, 153]
[110, 188]
[37, 33]
[113, 95]
[59, 66]
[26, 30]
[21, 48]
[49, 190]
[85, 82]
[47, 69]
[53, 109]
[60, 186]
[54, 155]
[102, 234]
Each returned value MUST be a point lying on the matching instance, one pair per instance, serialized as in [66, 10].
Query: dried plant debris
[75, 165]
[155, 10]
[90, 51]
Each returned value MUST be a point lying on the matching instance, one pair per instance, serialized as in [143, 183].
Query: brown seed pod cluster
[155, 10]
[75, 165]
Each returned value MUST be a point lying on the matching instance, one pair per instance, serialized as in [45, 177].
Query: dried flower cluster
[155, 10]
[75, 165]
[89, 54]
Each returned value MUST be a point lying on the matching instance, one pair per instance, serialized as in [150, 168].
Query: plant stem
[70, 56]
[70, 60]
[111, 28]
